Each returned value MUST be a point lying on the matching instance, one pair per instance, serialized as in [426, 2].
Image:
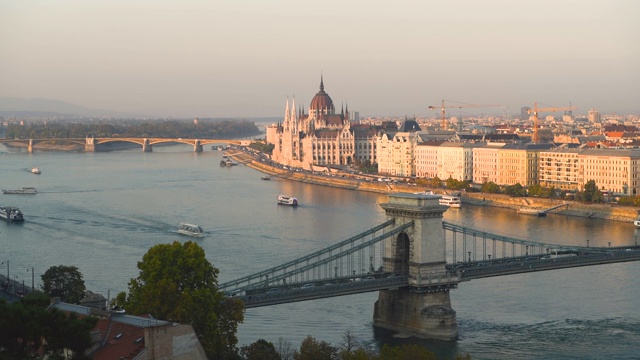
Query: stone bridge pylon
[423, 308]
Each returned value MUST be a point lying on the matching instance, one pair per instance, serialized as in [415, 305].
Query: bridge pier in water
[146, 147]
[30, 146]
[423, 308]
[197, 146]
[89, 144]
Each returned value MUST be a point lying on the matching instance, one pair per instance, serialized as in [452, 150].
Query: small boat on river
[35, 170]
[11, 214]
[23, 190]
[636, 222]
[190, 230]
[266, 177]
[287, 200]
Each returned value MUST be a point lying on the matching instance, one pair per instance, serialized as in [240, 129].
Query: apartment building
[396, 153]
[455, 160]
[485, 162]
[559, 168]
[518, 163]
[614, 170]
[426, 155]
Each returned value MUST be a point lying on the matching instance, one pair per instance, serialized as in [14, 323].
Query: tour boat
[11, 214]
[450, 201]
[286, 200]
[35, 170]
[23, 190]
[190, 230]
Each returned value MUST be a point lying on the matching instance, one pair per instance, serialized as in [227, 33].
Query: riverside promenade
[347, 181]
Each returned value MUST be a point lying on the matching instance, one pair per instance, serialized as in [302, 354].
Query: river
[101, 212]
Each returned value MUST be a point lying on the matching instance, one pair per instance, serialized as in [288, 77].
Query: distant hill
[39, 108]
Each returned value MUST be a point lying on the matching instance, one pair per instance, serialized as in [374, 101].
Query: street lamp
[527, 249]
[469, 256]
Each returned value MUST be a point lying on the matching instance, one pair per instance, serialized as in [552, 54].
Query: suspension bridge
[413, 260]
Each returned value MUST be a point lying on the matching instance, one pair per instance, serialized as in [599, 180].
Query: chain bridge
[413, 260]
[91, 142]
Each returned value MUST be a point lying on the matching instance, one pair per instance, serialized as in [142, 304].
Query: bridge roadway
[321, 289]
[456, 273]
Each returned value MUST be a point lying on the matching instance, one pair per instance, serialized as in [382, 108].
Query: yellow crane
[457, 106]
[536, 110]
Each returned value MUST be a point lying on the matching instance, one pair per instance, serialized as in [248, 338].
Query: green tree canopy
[515, 190]
[490, 187]
[64, 282]
[591, 193]
[436, 182]
[312, 349]
[28, 329]
[260, 350]
[177, 283]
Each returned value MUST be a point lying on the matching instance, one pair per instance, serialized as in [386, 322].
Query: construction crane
[458, 106]
[536, 110]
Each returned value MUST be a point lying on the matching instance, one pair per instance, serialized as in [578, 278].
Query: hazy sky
[215, 58]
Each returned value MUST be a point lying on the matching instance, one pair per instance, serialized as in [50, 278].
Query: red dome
[322, 101]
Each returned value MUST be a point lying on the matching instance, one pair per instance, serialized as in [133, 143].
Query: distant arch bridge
[90, 143]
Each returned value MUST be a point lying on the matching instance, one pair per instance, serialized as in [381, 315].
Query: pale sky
[243, 58]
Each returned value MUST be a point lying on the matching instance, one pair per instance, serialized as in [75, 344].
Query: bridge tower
[423, 308]
[89, 144]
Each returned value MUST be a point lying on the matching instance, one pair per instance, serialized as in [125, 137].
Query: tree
[260, 350]
[312, 349]
[177, 283]
[64, 282]
[436, 182]
[490, 187]
[515, 190]
[591, 193]
[407, 351]
[28, 330]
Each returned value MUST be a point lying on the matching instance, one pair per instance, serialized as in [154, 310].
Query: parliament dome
[321, 102]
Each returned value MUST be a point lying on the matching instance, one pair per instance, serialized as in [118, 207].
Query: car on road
[307, 286]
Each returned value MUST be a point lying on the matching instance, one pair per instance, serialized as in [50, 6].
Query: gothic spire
[321, 83]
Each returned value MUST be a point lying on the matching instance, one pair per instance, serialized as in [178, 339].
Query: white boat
[190, 230]
[266, 177]
[23, 190]
[287, 200]
[35, 170]
[11, 214]
[450, 201]
[636, 222]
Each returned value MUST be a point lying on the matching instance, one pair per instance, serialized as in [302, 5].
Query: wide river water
[101, 212]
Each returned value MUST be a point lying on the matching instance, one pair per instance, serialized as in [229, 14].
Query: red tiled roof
[121, 341]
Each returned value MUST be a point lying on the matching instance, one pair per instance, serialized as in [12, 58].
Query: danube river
[101, 212]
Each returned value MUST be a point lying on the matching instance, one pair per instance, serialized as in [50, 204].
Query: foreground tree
[28, 330]
[64, 282]
[260, 350]
[177, 283]
[312, 349]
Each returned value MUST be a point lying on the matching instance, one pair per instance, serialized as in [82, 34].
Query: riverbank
[568, 208]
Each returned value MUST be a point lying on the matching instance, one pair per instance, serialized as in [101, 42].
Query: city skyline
[244, 59]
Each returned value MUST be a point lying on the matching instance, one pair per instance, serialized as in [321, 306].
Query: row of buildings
[321, 136]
